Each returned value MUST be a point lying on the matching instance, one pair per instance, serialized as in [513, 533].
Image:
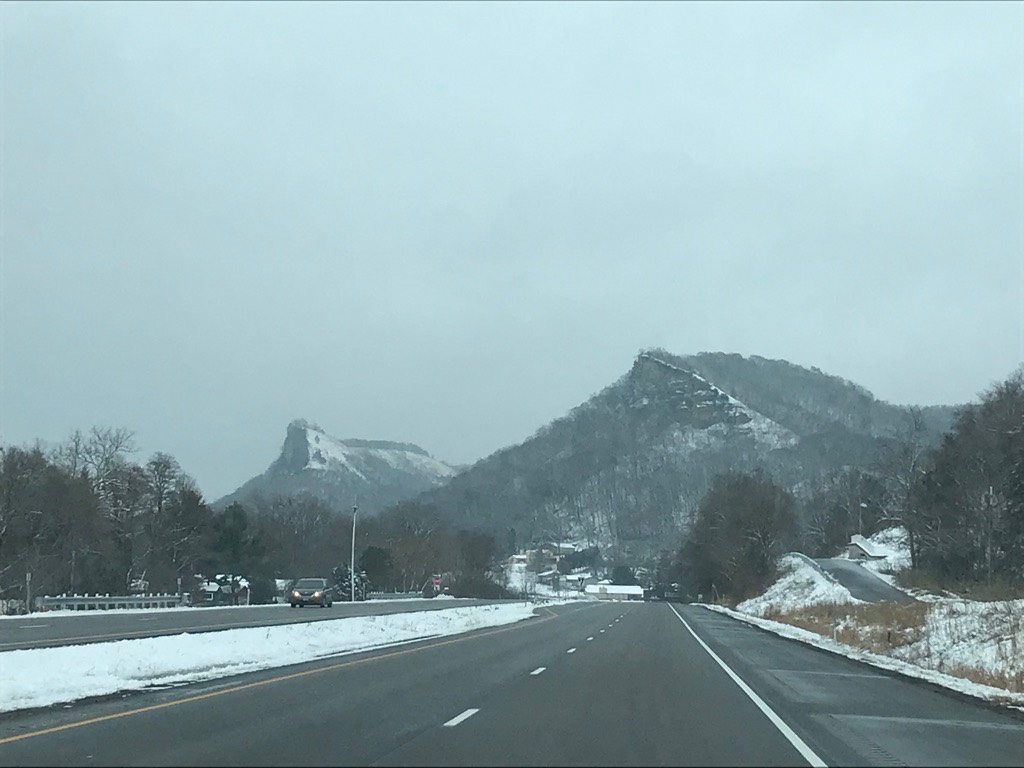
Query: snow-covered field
[43, 676]
[970, 646]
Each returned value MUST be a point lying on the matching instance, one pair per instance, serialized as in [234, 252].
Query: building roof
[870, 549]
[614, 589]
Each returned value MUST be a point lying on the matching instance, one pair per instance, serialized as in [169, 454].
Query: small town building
[860, 548]
[615, 591]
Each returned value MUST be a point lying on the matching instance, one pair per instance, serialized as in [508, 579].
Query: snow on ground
[800, 584]
[893, 542]
[40, 677]
[985, 636]
[987, 692]
[982, 639]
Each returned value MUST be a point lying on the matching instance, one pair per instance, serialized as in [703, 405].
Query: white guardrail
[110, 602]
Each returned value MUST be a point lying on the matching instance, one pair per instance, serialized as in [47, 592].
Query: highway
[53, 628]
[592, 683]
[862, 583]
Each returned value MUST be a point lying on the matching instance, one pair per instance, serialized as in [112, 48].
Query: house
[860, 548]
[551, 577]
[615, 592]
[223, 589]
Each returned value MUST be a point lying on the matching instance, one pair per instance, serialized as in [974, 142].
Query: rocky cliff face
[369, 473]
[627, 469]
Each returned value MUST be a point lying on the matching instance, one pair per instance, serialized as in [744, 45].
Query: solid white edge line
[806, 752]
[459, 718]
[538, 670]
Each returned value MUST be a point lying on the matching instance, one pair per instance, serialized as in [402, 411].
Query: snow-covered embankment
[43, 676]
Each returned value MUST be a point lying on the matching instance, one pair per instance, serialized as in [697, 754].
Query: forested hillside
[628, 467]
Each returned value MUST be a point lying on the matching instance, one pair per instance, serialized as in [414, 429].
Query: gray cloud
[452, 223]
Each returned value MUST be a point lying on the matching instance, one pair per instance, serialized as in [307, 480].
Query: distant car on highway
[311, 592]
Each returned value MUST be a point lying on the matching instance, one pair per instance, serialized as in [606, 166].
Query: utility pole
[352, 571]
[28, 591]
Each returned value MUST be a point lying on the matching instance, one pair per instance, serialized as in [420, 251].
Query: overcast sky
[451, 223]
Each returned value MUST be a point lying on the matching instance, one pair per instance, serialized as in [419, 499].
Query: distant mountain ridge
[626, 469]
[341, 473]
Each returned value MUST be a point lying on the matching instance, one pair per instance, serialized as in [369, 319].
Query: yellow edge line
[258, 683]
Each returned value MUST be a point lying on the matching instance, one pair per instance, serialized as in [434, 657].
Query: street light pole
[352, 571]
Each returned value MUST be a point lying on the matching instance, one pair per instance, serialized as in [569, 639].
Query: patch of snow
[326, 452]
[799, 585]
[986, 692]
[957, 634]
[894, 549]
[40, 677]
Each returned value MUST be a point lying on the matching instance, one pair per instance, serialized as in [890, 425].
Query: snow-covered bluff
[369, 473]
[626, 469]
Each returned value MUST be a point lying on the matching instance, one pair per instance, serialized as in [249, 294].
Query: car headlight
[295, 593]
[316, 594]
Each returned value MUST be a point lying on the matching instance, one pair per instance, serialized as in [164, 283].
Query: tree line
[961, 503]
[85, 517]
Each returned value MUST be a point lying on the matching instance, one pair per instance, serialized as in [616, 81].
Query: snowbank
[980, 643]
[40, 677]
[893, 545]
[987, 692]
[800, 584]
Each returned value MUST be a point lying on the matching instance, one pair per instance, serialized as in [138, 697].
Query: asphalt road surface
[583, 684]
[862, 583]
[52, 628]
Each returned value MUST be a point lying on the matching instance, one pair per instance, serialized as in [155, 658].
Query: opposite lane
[54, 628]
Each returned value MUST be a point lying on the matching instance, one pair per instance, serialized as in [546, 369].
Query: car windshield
[647, 376]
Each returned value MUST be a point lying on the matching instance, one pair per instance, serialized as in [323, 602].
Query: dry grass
[884, 627]
[1009, 682]
[984, 591]
[876, 627]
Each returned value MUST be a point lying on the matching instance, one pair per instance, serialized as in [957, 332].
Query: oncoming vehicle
[311, 592]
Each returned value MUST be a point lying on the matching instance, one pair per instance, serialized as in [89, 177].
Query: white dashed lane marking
[459, 718]
[589, 639]
[538, 670]
[571, 650]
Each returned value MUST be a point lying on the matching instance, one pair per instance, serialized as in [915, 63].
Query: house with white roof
[860, 548]
[615, 591]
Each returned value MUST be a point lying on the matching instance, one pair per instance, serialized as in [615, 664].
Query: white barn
[615, 592]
